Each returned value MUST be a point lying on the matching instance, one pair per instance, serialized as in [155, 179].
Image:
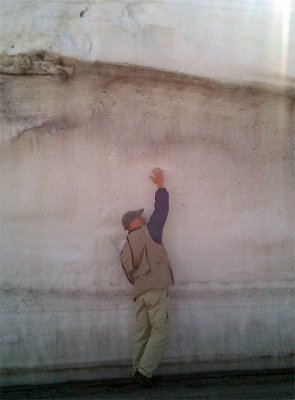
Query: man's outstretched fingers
[158, 177]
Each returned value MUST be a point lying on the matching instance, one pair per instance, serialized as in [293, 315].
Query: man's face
[136, 223]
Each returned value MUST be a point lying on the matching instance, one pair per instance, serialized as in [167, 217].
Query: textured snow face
[79, 142]
[229, 40]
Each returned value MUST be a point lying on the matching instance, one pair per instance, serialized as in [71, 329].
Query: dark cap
[128, 217]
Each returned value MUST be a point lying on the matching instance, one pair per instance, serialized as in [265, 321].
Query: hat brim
[139, 212]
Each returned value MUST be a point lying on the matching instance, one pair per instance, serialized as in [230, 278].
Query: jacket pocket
[141, 270]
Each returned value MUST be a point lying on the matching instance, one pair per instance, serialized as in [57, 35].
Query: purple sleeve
[159, 216]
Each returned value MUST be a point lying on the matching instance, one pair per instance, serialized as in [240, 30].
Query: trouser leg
[157, 305]
[143, 331]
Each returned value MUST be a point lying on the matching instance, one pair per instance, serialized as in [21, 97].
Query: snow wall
[77, 149]
[78, 142]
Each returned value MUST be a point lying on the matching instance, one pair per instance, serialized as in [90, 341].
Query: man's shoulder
[137, 233]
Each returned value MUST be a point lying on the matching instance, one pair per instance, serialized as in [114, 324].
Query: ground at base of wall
[236, 386]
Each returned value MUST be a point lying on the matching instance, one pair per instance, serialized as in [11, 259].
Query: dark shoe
[144, 380]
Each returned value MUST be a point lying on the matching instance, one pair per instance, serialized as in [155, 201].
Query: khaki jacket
[145, 262]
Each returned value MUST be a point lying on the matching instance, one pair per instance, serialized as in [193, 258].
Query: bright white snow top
[233, 40]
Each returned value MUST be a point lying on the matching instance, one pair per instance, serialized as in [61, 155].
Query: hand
[158, 177]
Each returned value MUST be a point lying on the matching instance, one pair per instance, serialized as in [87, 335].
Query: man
[145, 262]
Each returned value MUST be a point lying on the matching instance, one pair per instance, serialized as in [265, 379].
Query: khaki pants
[152, 330]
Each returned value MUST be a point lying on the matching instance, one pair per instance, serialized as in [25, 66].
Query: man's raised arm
[159, 216]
